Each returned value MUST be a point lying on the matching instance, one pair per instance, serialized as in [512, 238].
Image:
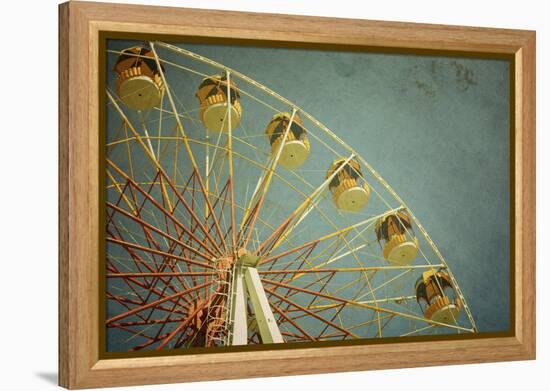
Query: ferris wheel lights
[437, 297]
[401, 245]
[296, 148]
[347, 193]
[212, 96]
[139, 84]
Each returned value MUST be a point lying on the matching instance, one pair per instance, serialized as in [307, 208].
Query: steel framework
[211, 243]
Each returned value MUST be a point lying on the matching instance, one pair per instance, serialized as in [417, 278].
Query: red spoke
[149, 285]
[272, 258]
[152, 290]
[160, 274]
[169, 214]
[153, 251]
[129, 246]
[156, 302]
[313, 314]
[124, 301]
[149, 343]
[291, 321]
[180, 327]
[158, 231]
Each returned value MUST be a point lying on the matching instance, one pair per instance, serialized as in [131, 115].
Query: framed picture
[247, 195]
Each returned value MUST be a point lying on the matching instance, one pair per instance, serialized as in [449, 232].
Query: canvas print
[281, 197]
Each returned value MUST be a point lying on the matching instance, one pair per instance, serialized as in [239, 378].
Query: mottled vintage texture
[436, 128]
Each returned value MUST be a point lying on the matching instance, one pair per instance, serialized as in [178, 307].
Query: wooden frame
[80, 24]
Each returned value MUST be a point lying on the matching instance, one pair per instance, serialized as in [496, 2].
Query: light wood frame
[80, 24]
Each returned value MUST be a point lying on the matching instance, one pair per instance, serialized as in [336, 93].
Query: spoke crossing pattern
[216, 236]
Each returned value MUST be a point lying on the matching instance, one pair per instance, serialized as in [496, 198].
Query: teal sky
[436, 128]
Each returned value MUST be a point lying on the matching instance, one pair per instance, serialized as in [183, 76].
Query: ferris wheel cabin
[437, 297]
[212, 95]
[296, 147]
[139, 84]
[400, 244]
[347, 193]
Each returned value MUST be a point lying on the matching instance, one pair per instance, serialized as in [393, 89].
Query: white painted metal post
[269, 331]
[238, 312]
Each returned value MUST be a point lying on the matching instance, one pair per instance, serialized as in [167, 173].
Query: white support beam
[238, 310]
[269, 331]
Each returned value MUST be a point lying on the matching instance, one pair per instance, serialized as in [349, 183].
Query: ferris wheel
[234, 217]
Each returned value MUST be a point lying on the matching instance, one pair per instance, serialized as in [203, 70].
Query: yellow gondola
[212, 96]
[437, 297]
[400, 243]
[347, 193]
[139, 84]
[296, 148]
